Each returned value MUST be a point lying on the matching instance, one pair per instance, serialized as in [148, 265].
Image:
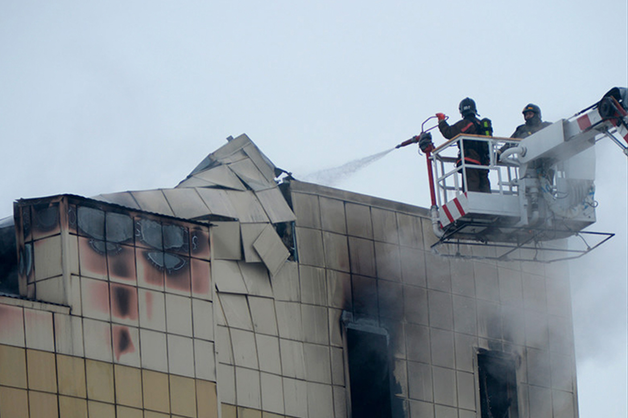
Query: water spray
[332, 176]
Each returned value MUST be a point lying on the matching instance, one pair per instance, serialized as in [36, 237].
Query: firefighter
[475, 152]
[534, 123]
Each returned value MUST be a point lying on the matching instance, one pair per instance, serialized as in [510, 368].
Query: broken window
[498, 384]
[8, 257]
[369, 373]
[285, 230]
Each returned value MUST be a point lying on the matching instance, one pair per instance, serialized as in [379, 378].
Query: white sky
[98, 97]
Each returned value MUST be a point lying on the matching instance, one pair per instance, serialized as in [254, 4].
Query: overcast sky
[98, 97]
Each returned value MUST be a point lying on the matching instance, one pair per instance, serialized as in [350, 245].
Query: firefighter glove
[425, 142]
[441, 117]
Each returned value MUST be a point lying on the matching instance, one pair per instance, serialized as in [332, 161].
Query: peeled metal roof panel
[230, 148]
[217, 157]
[236, 311]
[218, 202]
[186, 203]
[292, 361]
[261, 161]
[123, 199]
[228, 278]
[153, 201]
[244, 348]
[234, 158]
[271, 249]
[248, 172]
[225, 241]
[248, 208]
[264, 320]
[194, 182]
[275, 205]
[256, 279]
[250, 232]
[220, 176]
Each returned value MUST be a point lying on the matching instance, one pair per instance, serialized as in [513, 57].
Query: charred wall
[115, 314]
[437, 313]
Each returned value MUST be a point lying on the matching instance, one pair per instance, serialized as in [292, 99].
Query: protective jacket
[475, 152]
[532, 125]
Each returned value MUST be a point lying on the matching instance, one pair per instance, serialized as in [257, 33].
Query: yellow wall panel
[270, 415]
[128, 386]
[156, 392]
[151, 414]
[72, 407]
[12, 366]
[249, 413]
[206, 399]
[42, 373]
[126, 412]
[228, 411]
[13, 403]
[182, 396]
[101, 410]
[43, 405]
[71, 376]
[99, 381]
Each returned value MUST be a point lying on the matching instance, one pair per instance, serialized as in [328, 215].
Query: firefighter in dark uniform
[534, 123]
[475, 152]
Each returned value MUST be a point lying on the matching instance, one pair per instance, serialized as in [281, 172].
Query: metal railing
[447, 165]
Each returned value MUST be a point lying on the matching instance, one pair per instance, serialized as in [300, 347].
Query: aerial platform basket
[527, 208]
[542, 188]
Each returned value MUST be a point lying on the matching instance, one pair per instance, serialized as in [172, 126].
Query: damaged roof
[235, 188]
[237, 182]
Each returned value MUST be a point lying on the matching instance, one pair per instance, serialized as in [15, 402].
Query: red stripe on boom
[447, 213]
[459, 206]
[584, 122]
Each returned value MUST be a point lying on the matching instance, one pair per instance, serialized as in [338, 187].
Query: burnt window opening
[368, 361]
[498, 384]
[286, 232]
[8, 258]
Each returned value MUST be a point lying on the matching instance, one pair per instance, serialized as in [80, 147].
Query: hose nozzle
[412, 140]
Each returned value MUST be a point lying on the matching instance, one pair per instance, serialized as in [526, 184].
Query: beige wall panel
[12, 366]
[128, 382]
[39, 334]
[71, 376]
[156, 391]
[99, 381]
[12, 325]
[48, 257]
[42, 373]
[126, 412]
[206, 399]
[101, 410]
[43, 405]
[13, 402]
[72, 407]
[182, 396]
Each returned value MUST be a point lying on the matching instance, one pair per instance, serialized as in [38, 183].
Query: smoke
[333, 176]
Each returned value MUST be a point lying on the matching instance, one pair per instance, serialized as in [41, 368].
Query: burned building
[238, 294]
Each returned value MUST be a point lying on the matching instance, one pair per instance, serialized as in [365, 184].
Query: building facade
[235, 294]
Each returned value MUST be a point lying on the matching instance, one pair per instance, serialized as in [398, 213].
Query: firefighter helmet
[530, 107]
[467, 107]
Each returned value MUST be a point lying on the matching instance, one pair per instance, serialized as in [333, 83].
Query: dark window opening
[285, 230]
[498, 385]
[369, 374]
[8, 258]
